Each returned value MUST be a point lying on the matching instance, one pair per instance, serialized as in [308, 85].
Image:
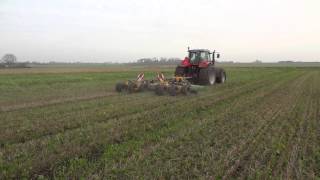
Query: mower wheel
[185, 90]
[159, 90]
[172, 90]
[146, 85]
[132, 87]
[120, 87]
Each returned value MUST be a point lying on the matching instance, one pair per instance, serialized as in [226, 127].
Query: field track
[263, 123]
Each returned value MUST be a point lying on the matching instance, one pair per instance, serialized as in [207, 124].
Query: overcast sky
[124, 30]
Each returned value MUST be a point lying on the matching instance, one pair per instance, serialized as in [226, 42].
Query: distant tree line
[161, 60]
[11, 61]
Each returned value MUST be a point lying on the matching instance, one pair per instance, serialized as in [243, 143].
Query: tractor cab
[196, 56]
[200, 57]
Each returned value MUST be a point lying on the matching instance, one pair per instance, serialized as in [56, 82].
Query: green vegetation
[263, 123]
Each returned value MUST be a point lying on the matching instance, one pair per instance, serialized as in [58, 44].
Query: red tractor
[199, 67]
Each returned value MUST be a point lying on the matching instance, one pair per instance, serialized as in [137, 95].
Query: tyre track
[289, 132]
[244, 153]
[304, 138]
[54, 102]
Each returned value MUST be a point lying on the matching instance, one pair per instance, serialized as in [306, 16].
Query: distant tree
[155, 60]
[9, 59]
[257, 61]
[173, 60]
[285, 62]
[162, 60]
[146, 60]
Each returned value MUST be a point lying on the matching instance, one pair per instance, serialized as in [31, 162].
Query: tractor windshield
[196, 57]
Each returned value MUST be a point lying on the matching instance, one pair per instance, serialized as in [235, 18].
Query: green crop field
[69, 123]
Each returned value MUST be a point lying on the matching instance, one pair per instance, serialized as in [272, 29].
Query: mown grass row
[21, 126]
[296, 137]
[201, 107]
[36, 88]
[29, 89]
[133, 143]
[245, 154]
[27, 153]
[66, 149]
[124, 169]
[238, 161]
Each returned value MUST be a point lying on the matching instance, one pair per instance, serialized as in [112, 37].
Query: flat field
[69, 123]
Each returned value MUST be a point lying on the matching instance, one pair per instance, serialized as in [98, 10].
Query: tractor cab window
[204, 56]
[193, 57]
[196, 57]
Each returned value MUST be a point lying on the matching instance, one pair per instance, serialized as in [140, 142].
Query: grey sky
[124, 30]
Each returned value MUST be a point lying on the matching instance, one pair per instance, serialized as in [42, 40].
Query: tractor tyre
[207, 76]
[172, 90]
[180, 71]
[160, 90]
[120, 87]
[222, 77]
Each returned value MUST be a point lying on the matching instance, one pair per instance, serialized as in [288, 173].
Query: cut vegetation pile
[263, 123]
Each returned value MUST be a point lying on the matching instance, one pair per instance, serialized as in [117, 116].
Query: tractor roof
[201, 50]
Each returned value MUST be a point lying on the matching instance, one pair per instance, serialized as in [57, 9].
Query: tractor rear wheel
[207, 76]
[222, 77]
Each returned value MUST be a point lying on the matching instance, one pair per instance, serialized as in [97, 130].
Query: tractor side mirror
[218, 55]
